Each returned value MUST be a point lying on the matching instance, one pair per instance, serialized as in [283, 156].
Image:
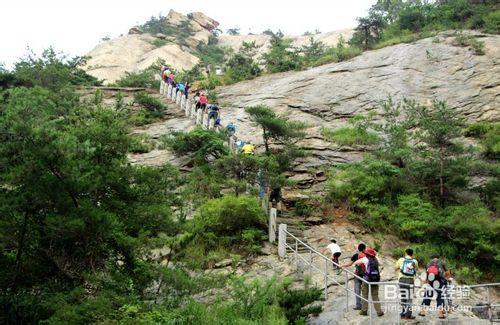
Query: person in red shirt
[202, 103]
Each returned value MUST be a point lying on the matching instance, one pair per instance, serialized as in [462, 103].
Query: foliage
[413, 185]
[233, 31]
[71, 203]
[149, 102]
[274, 128]
[465, 40]
[357, 133]
[202, 145]
[211, 52]
[281, 55]
[50, 70]
[241, 67]
[141, 143]
[160, 25]
[492, 22]
[141, 79]
[489, 137]
[393, 22]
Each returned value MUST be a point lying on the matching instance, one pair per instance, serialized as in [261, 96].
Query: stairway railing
[327, 264]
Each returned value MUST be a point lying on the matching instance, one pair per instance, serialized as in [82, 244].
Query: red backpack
[435, 269]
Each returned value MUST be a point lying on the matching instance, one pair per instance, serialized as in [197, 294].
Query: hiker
[359, 271]
[231, 128]
[275, 195]
[171, 78]
[372, 275]
[435, 279]
[180, 87]
[335, 252]
[217, 123]
[186, 89]
[202, 102]
[248, 149]
[213, 111]
[196, 99]
[407, 267]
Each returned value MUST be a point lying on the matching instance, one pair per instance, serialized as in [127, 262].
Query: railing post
[310, 260]
[282, 240]
[193, 110]
[346, 292]
[326, 279]
[490, 314]
[272, 225]
[296, 255]
[162, 86]
[370, 301]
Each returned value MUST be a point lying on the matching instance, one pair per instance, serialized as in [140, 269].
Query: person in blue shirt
[231, 128]
[213, 111]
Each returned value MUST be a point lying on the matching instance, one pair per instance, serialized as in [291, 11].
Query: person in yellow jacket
[248, 149]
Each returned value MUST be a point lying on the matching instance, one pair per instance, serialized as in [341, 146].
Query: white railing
[327, 264]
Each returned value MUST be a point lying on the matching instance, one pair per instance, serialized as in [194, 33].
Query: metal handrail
[370, 301]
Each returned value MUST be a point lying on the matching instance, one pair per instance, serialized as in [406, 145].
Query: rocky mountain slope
[326, 96]
[137, 50]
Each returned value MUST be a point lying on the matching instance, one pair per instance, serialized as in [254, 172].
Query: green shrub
[141, 143]
[303, 208]
[229, 216]
[349, 136]
[465, 40]
[492, 22]
[468, 275]
[202, 145]
[143, 117]
[149, 102]
[159, 42]
[142, 79]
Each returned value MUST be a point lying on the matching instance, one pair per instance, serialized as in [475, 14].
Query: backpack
[435, 269]
[408, 267]
[372, 273]
[359, 270]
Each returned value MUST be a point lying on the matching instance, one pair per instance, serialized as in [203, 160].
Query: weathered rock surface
[131, 53]
[326, 96]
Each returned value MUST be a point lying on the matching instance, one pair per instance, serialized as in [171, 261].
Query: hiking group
[367, 268]
[201, 103]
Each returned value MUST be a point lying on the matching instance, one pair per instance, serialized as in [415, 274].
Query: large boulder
[203, 20]
[135, 30]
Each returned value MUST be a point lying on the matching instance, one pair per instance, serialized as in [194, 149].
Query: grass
[349, 136]
[142, 143]
[149, 102]
[464, 40]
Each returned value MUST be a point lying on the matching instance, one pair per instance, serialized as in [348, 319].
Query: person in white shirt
[334, 250]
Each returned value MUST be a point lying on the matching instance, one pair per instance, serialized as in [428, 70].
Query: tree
[368, 31]
[233, 31]
[71, 204]
[274, 128]
[202, 145]
[281, 56]
[437, 129]
[314, 50]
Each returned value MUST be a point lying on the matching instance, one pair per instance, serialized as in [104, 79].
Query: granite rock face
[326, 96]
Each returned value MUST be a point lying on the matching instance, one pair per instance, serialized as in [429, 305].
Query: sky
[74, 27]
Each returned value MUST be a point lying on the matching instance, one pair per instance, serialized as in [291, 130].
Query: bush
[149, 102]
[492, 22]
[349, 136]
[141, 143]
[202, 145]
[465, 40]
[229, 216]
[142, 79]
